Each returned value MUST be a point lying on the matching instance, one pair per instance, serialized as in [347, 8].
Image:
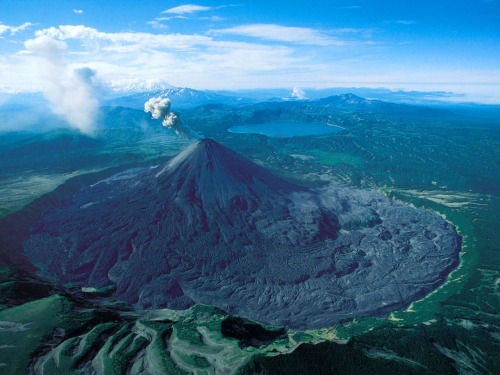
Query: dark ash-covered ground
[211, 227]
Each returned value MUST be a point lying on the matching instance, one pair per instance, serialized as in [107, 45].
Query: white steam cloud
[70, 92]
[298, 94]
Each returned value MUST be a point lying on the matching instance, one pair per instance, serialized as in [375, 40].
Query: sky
[54, 45]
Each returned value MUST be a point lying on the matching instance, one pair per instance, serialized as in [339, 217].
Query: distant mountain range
[437, 98]
[354, 102]
[185, 98]
[136, 94]
[181, 97]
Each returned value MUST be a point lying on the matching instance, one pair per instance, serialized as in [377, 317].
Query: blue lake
[286, 129]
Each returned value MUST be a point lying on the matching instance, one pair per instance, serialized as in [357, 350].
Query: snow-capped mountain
[138, 86]
[136, 94]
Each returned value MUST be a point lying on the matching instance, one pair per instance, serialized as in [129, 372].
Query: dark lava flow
[212, 227]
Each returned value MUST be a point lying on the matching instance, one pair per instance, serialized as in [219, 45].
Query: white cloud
[221, 60]
[184, 12]
[169, 18]
[14, 29]
[78, 11]
[183, 60]
[278, 33]
[214, 18]
[403, 22]
[119, 40]
[156, 25]
[46, 47]
[186, 9]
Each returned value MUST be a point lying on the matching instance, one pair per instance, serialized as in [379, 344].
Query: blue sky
[412, 45]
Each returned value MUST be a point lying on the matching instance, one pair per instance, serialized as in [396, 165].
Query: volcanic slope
[212, 227]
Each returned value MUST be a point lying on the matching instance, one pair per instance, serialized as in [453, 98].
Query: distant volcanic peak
[349, 96]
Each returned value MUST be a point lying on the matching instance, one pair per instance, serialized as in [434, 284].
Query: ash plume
[160, 110]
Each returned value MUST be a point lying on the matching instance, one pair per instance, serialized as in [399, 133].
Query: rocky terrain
[211, 227]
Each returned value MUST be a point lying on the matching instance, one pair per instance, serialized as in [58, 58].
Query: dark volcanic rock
[212, 227]
[249, 334]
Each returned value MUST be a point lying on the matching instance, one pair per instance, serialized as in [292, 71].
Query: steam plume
[70, 92]
[298, 94]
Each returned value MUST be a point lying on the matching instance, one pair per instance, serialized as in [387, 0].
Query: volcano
[214, 228]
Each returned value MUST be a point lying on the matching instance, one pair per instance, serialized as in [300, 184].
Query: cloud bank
[69, 91]
[246, 56]
[288, 34]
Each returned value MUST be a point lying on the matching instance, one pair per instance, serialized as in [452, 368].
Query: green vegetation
[24, 328]
[443, 163]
